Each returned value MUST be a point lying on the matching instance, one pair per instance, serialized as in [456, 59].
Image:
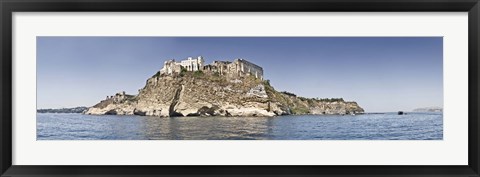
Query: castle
[237, 68]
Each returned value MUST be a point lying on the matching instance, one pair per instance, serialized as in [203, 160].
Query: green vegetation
[131, 98]
[329, 99]
[211, 77]
[302, 98]
[217, 79]
[183, 71]
[288, 93]
[266, 82]
[297, 104]
[275, 96]
[310, 101]
[198, 73]
[156, 74]
[300, 110]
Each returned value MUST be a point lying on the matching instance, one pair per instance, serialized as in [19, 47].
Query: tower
[200, 62]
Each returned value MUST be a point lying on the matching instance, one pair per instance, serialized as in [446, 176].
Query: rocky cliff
[206, 94]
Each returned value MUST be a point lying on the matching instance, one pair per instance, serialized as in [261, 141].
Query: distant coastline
[79, 109]
[428, 109]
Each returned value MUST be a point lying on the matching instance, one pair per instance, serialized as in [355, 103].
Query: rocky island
[223, 88]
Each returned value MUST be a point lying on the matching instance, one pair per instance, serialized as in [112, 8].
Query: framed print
[243, 88]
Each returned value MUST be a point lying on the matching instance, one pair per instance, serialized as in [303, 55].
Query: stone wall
[220, 67]
[246, 68]
[237, 68]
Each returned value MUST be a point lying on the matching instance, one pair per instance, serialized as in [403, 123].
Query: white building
[170, 66]
[190, 64]
[193, 64]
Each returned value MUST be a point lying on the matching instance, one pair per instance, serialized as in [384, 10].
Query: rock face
[205, 94]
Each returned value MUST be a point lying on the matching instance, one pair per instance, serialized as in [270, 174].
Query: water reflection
[205, 128]
[413, 126]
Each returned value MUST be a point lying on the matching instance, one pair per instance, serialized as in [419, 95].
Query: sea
[370, 126]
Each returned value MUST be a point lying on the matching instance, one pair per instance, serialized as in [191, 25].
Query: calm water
[413, 126]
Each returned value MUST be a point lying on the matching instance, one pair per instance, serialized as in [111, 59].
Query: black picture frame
[10, 6]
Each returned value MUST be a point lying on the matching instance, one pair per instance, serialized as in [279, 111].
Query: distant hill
[429, 109]
[63, 110]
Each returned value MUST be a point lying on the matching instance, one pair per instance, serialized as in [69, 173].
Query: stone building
[190, 64]
[118, 97]
[246, 68]
[237, 68]
[221, 67]
[170, 67]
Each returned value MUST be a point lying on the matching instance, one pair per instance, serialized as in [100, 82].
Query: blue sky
[381, 73]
